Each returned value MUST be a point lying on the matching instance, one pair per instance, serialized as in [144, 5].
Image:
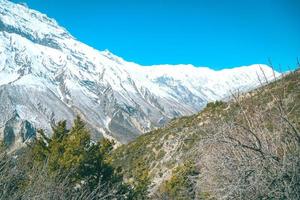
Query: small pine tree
[57, 146]
[40, 148]
[71, 153]
[59, 131]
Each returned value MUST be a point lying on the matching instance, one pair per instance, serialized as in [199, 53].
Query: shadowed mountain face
[46, 75]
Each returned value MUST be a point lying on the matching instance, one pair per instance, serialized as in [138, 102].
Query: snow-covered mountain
[46, 75]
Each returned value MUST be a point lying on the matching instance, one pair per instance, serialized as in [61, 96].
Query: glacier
[47, 75]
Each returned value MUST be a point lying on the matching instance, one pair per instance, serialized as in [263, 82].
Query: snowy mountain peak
[47, 75]
[33, 25]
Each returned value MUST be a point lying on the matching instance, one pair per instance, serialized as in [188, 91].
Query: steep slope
[46, 75]
[247, 148]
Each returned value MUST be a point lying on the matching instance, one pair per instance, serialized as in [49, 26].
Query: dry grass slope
[247, 148]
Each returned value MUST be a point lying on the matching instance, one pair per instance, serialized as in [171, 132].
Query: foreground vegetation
[66, 166]
[247, 148]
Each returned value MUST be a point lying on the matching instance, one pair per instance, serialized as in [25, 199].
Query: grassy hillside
[247, 148]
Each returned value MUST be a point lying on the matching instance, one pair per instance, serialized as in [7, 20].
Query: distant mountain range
[46, 75]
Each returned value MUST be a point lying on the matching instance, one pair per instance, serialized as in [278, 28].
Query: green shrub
[180, 185]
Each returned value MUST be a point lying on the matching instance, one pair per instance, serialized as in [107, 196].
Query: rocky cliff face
[46, 75]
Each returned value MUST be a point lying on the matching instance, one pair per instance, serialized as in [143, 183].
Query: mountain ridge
[46, 75]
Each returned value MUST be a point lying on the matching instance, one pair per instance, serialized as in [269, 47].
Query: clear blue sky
[213, 33]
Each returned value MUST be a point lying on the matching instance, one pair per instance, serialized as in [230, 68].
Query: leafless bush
[253, 153]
